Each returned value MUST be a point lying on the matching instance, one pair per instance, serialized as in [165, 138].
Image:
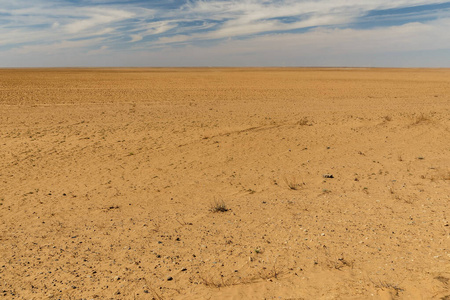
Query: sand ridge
[108, 177]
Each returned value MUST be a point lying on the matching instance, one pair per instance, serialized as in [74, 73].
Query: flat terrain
[109, 179]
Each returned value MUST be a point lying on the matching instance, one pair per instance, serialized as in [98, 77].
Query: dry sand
[108, 177]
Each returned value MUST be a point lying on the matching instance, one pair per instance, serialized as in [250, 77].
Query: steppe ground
[109, 179]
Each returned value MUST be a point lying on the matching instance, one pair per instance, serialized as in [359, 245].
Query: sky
[158, 33]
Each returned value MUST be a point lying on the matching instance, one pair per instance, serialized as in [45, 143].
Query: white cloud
[159, 27]
[97, 17]
[42, 26]
[55, 47]
[136, 38]
[246, 17]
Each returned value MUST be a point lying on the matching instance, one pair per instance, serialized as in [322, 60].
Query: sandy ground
[108, 179]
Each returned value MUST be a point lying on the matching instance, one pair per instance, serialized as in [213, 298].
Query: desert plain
[225, 183]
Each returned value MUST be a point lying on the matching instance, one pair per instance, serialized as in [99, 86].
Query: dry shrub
[269, 273]
[218, 206]
[293, 184]
[340, 263]
[422, 118]
[388, 286]
[303, 121]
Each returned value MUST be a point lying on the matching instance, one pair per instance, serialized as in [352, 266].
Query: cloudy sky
[372, 33]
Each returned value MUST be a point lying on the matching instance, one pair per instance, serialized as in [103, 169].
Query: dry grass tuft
[442, 279]
[224, 281]
[267, 274]
[303, 121]
[340, 263]
[422, 118]
[293, 184]
[218, 206]
[155, 295]
[388, 286]
[211, 282]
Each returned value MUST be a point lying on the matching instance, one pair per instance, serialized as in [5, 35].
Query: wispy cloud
[117, 28]
[136, 38]
[103, 50]
[95, 17]
[56, 47]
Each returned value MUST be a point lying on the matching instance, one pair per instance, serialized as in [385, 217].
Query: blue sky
[365, 33]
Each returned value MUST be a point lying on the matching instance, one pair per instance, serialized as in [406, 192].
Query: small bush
[293, 184]
[303, 121]
[422, 118]
[218, 206]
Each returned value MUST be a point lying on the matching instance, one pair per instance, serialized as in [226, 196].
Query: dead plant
[293, 184]
[303, 121]
[422, 118]
[218, 206]
[386, 285]
[273, 272]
